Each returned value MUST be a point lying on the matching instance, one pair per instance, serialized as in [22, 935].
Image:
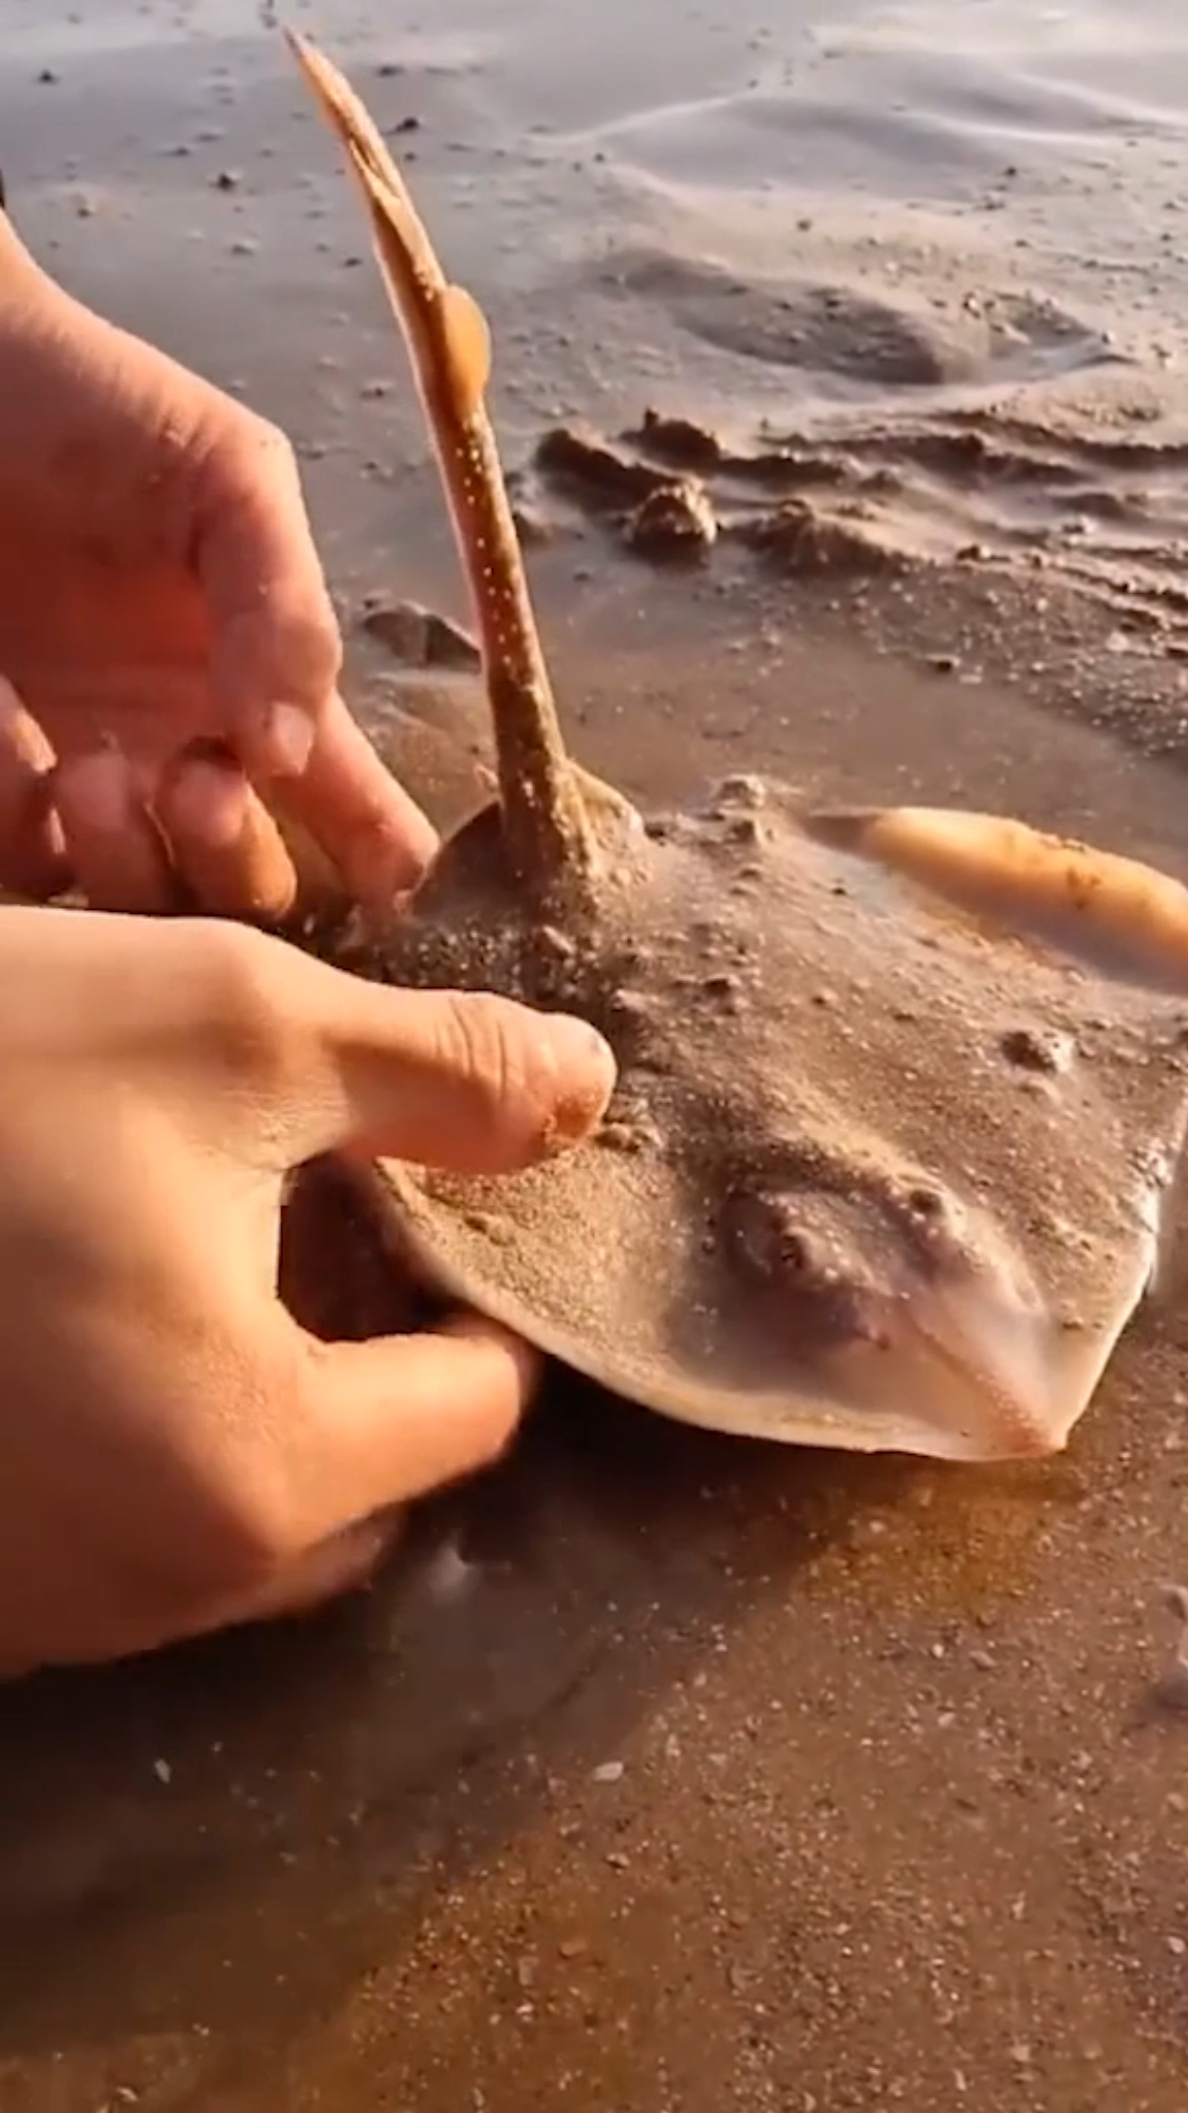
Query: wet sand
[664, 1774]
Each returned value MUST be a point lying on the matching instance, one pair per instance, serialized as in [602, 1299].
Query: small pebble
[608, 1772]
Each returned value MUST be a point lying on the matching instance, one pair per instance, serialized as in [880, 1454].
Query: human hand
[159, 582]
[176, 1452]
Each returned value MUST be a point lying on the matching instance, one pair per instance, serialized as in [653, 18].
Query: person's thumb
[451, 1079]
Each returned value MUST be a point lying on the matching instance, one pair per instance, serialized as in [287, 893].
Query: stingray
[901, 1091]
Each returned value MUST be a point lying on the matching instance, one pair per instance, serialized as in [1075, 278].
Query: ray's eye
[933, 1224]
[795, 1251]
[801, 1249]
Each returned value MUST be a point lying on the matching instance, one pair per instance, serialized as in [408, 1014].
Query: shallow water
[665, 1775]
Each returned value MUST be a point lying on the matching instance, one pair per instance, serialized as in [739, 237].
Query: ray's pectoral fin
[1119, 915]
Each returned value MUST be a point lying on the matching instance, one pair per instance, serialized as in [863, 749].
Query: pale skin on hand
[159, 584]
[176, 1453]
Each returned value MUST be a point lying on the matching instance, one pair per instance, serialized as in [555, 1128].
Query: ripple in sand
[1088, 490]
[903, 338]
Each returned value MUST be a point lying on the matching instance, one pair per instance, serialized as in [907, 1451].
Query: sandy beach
[664, 1774]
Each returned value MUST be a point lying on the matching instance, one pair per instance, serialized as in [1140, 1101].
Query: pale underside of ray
[1053, 1177]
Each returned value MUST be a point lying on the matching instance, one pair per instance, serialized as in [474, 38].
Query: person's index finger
[275, 660]
[386, 1421]
[275, 639]
[349, 802]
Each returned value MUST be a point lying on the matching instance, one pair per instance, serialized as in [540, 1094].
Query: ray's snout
[906, 1317]
[978, 1372]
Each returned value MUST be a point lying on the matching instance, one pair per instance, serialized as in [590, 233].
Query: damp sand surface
[663, 1774]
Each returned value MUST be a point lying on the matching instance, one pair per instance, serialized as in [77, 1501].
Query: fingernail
[210, 799]
[383, 865]
[289, 734]
[587, 1065]
[476, 1328]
